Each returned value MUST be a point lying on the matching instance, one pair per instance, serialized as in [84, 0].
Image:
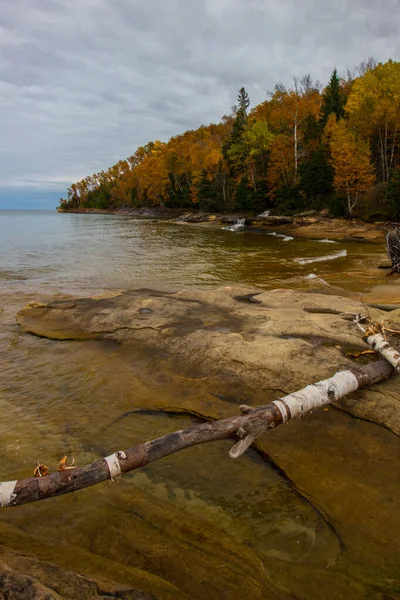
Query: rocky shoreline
[231, 346]
[251, 346]
[247, 334]
[313, 226]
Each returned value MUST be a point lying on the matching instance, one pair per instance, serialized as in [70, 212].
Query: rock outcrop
[269, 343]
[255, 346]
[24, 577]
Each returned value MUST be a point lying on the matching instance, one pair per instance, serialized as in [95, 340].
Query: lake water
[69, 252]
[73, 398]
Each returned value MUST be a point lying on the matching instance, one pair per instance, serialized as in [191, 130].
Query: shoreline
[313, 227]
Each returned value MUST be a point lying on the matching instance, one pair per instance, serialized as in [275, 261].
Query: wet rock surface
[24, 577]
[250, 347]
[274, 340]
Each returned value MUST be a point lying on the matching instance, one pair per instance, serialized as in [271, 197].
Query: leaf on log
[62, 465]
[41, 471]
[375, 336]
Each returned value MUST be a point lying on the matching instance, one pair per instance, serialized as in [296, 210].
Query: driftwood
[248, 426]
[393, 249]
[375, 336]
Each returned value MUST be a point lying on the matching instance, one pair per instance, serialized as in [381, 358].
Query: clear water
[76, 398]
[70, 252]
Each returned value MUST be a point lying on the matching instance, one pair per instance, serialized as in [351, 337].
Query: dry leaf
[357, 354]
[62, 464]
[41, 471]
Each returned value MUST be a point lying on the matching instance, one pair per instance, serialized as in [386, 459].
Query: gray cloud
[85, 81]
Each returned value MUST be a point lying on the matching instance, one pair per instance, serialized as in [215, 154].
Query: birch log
[248, 426]
[380, 344]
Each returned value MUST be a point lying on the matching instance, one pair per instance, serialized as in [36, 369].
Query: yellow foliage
[350, 158]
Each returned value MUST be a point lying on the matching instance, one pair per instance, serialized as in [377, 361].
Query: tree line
[303, 148]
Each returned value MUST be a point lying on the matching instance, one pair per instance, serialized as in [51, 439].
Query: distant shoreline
[313, 226]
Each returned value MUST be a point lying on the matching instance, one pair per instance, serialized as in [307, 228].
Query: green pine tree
[234, 148]
[316, 175]
[333, 100]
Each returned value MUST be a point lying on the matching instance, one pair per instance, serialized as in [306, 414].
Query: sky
[83, 83]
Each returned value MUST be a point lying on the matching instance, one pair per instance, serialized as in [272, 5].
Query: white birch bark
[381, 345]
[317, 395]
[248, 427]
[299, 403]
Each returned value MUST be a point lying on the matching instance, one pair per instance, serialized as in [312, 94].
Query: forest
[304, 148]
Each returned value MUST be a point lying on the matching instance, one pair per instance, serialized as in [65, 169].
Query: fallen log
[376, 338]
[248, 426]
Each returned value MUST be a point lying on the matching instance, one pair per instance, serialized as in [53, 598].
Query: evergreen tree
[393, 193]
[332, 100]
[244, 103]
[234, 148]
[244, 195]
[316, 175]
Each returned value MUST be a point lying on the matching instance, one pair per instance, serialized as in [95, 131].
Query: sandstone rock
[263, 345]
[25, 577]
[284, 341]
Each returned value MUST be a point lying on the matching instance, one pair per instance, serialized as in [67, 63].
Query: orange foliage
[265, 154]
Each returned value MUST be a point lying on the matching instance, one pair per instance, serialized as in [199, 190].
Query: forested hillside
[303, 148]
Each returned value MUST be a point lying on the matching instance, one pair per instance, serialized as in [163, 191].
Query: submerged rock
[252, 346]
[24, 577]
[280, 340]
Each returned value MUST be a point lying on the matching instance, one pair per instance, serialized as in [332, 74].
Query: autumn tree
[290, 111]
[373, 108]
[350, 159]
[257, 140]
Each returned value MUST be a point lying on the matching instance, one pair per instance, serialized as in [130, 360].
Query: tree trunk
[295, 147]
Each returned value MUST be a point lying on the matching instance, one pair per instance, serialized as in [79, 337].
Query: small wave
[237, 226]
[313, 276]
[307, 261]
[285, 238]
[326, 241]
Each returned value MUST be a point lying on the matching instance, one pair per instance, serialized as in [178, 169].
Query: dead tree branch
[375, 336]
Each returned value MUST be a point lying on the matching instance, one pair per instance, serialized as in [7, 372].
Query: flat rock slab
[262, 346]
[25, 577]
[273, 342]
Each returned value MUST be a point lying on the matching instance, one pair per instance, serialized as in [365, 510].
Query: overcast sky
[83, 83]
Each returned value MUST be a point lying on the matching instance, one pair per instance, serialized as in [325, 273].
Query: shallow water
[78, 398]
[69, 252]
